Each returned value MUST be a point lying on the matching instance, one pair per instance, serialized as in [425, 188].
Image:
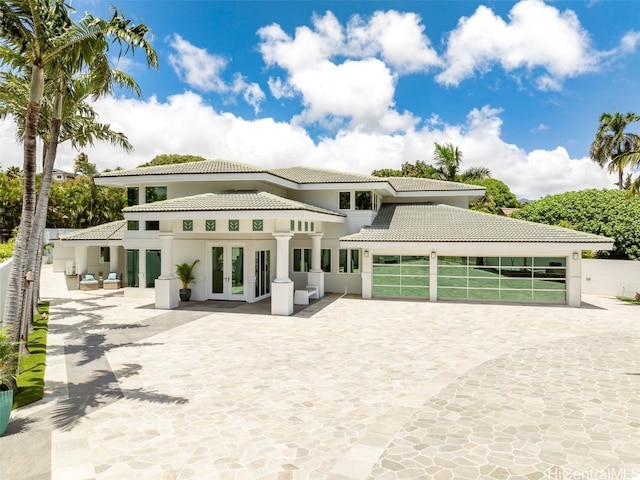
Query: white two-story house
[260, 233]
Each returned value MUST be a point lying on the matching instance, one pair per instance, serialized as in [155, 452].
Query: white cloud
[176, 126]
[349, 73]
[280, 89]
[537, 36]
[360, 89]
[203, 70]
[197, 67]
[630, 41]
[398, 37]
[540, 128]
[11, 154]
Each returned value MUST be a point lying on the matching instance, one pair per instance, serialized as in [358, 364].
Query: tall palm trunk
[620, 178]
[40, 218]
[12, 312]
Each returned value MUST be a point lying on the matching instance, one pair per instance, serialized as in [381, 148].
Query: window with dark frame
[105, 254]
[349, 261]
[345, 200]
[301, 259]
[325, 260]
[155, 194]
[133, 196]
[364, 201]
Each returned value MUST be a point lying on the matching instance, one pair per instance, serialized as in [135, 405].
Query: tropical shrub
[497, 196]
[604, 212]
[6, 250]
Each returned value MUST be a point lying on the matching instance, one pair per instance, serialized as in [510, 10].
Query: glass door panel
[132, 267]
[263, 274]
[227, 273]
[153, 267]
[217, 270]
[237, 273]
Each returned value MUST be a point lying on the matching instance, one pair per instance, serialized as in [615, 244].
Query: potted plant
[184, 271]
[8, 369]
[48, 250]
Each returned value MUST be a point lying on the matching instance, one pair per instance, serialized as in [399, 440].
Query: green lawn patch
[628, 300]
[31, 378]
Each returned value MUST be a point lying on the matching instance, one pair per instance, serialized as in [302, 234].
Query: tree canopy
[603, 212]
[497, 196]
[171, 158]
[614, 146]
[447, 167]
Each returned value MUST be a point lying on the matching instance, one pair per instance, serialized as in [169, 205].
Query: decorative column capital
[283, 235]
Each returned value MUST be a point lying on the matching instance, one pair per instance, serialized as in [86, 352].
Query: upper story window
[345, 200]
[133, 196]
[152, 225]
[364, 201]
[155, 194]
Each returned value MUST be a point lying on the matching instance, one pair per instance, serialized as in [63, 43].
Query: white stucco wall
[610, 277]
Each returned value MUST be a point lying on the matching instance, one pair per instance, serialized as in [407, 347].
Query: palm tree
[448, 158]
[39, 36]
[612, 144]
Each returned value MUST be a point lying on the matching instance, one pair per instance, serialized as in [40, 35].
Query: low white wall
[5, 268]
[610, 277]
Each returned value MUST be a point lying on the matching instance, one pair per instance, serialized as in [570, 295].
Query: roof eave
[503, 246]
[292, 214]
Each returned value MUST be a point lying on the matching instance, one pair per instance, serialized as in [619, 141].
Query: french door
[227, 272]
[263, 274]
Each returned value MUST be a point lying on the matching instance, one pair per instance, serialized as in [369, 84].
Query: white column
[315, 277]
[367, 273]
[282, 256]
[113, 259]
[82, 260]
[574, 279]
[282, 286]
[166, 285]
[433, 277]
[166, 257]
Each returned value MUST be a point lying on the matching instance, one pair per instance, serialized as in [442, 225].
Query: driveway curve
[360, 390]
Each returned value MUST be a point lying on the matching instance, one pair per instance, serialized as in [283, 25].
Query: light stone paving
[361, 390]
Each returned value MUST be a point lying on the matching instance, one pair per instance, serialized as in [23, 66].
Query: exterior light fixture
[433, 255]
[575, 255]
[366, 253]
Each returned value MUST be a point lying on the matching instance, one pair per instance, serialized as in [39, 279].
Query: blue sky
[362, 85]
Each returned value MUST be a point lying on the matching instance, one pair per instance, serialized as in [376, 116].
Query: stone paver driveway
[361, 390]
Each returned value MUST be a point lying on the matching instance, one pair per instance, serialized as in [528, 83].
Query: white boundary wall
[610, 277]
[5, 268]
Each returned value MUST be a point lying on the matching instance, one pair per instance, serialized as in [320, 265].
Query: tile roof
[107, 231]
[226, 201]
[410, 184]
[444, 223]
[303, 175]
[208, 166]
[299, 175]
